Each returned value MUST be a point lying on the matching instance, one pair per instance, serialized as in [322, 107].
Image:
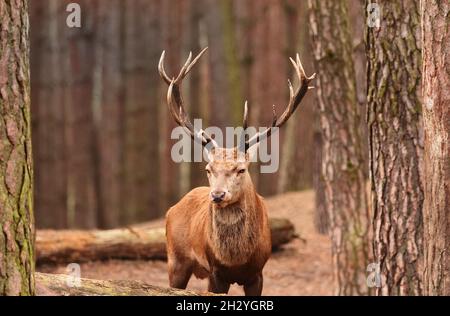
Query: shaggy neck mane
[234, 229]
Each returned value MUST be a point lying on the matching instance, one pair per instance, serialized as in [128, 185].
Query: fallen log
[138, 242]
[62, 285]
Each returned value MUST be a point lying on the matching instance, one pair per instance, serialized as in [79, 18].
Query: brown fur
[227, 242]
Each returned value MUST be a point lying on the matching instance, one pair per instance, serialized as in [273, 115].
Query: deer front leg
[179, 273]
[217, 284]
[254, 287]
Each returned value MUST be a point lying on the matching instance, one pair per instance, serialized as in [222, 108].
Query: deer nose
[217, 196]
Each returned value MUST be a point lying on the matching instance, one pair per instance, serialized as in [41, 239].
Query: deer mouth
[222, 203]
[217, 200]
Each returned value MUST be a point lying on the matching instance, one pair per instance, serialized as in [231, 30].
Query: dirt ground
[302, 267]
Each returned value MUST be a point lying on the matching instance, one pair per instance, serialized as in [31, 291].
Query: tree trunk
[343, 162]
[107, 108]
[142, 241]
[59, 285]
[170, 34]
[16, 169]
[82, 200]
[436, 114]
[268, 79]
[288, 146]
[220, 111]
[236, 101]
[141, 38]
[395, 144]
[50, 87]
[297, 139]
[321, 218]
[65, 246]
[194, 89]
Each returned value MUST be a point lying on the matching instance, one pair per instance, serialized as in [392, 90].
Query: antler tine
[182, 72]
[161, 70]
[295, 97]
[174, 113]
[291, 90]
[182, 119]
[198, 134]
[189, 128]
[245, 121]
[300, 66]
[297, 69]
[195, 60]
[175, 100]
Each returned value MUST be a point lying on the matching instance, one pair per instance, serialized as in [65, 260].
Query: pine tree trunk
[288, 146]
[50, 87]
[170, 32]
[321, 218]
[107, 111]
[297, 139]
[343, 162]
[16, 170]
[82, 200]
[436, 114]
[193, 82]
[220, 106]
[141, 38]
[274, 67]
[395, 144]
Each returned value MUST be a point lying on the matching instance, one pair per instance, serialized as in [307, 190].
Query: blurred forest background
[379, 117]
[101, 129]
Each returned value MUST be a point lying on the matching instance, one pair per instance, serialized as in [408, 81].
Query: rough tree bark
[436, 115]
[343, 162]
[395, 146]
[16, 170]
[321, 218]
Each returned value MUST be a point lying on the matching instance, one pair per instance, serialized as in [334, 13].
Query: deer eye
[241, 171]
[208, 171]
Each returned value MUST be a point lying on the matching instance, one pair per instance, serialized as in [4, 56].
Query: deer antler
[294, 100]
[175, 100]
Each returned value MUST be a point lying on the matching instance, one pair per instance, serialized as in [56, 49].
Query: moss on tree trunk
[16, 173]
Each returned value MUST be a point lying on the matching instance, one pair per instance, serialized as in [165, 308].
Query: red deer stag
[221, 232]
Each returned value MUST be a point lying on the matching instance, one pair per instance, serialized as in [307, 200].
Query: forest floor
[301, 267]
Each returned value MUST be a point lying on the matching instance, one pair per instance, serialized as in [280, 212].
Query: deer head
[227, 169]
